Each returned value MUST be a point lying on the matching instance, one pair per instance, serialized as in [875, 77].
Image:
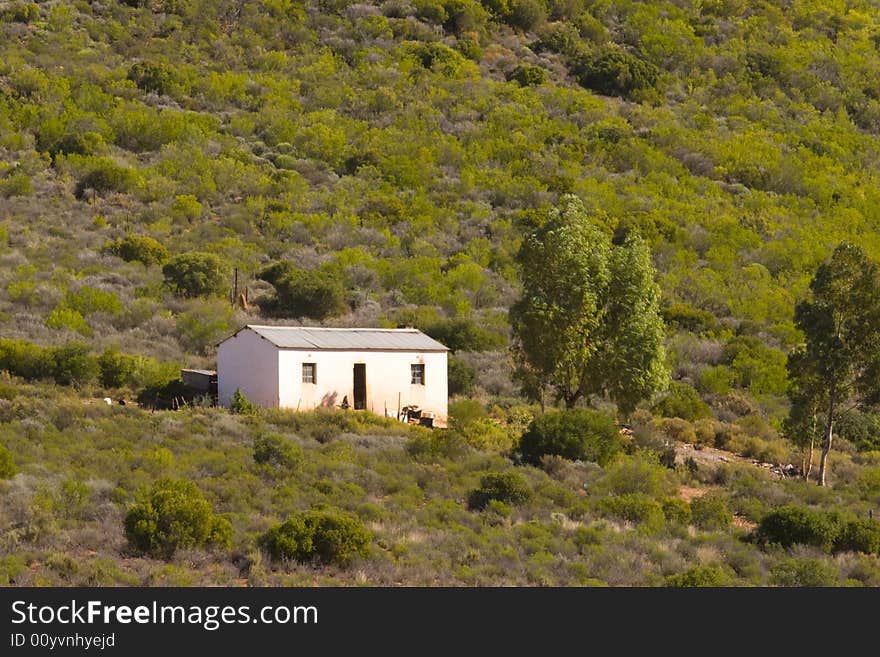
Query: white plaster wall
[388, 374]
[249, 362]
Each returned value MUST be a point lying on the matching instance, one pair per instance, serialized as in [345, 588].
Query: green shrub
[241, 405]
[327, 536]
[116, 368]
[804, 573]
[301, 293]
[614, 72]
[638, 474]
[104, 175]
[153, 77]
[7, 465]
[699, 576]
[462, 335]
[462, 378]
[18, 184]
[526, 14]
[429, 446]
[683, 402]
[859, 535]
[174, 515]
[528, 76]
[573, 434]
[186, 208]
[634, 507]
[74, 365]
[140, 248]
[68, 319]
[26, 360]
[710, 512]
[88, 300]
[507, 487]
[676, 510]
[196, 274]
[277, 452]
[791, 525]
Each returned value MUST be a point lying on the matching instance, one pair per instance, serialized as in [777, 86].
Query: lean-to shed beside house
[302, 368]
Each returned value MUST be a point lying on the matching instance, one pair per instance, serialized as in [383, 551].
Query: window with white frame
[417, 374]
[310, 373]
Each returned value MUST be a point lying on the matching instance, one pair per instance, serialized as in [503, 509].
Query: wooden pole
[235, 288]
[398, 405]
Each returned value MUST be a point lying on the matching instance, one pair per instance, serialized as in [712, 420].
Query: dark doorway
[360, 386]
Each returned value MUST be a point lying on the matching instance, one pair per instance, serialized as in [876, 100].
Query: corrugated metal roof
[375, 339]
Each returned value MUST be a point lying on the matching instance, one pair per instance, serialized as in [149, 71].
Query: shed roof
[346, 339]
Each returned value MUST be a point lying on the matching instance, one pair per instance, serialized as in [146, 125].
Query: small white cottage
[299, 367]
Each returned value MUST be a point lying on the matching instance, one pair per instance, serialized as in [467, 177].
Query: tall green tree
[837, 366]
[588, 322]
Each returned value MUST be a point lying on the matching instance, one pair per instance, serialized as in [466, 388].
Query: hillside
[358, 164]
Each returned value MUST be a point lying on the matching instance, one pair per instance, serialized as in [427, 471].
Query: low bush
[195, 274]
[804, 573]
[859, 535]
[573, 434]
[241, 405]
[792, 525]
[710, 512]
[7, 465]
[699, 576]
[683, 402]
[327, 536]
[174, 515]
[634, 507]
[140, 248]
[277, 452]
[506, 487]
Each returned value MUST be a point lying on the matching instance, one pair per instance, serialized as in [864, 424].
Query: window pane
[418, 374]
[309, 373]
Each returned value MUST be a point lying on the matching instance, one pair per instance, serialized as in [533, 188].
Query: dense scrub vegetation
[109, 495]
[382, 163]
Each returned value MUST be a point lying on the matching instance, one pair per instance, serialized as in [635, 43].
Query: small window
[310, 373]
[417, 370]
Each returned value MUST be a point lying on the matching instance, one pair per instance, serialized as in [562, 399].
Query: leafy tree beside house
[196, 274]
[838, 366]
[588, 322]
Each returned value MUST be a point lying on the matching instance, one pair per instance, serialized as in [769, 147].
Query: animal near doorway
[360, 386]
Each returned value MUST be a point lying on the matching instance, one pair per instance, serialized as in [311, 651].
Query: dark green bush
[327, 536]
[105, 175]
[74, 365]
[140, 248]
[859, 535]
[684, 402]
[710, 512]
[196, 274]
[615, 72]
[463, 334]
[276, 451]
[462, 378]
[7, 465]
[152, 77]
[116, 368]
[792, 525]
[526, 14]
[301, 293]
[506, 487]
[174, 515]
[573, 434]
[528, 76]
